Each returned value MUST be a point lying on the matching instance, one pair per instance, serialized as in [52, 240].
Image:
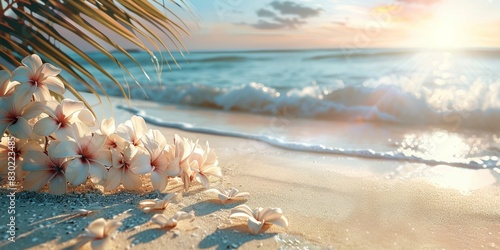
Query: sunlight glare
[448, 30]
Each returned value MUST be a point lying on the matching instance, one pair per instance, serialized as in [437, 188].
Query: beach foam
[405, 153]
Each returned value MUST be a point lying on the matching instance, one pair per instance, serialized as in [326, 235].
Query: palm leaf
[35, 26]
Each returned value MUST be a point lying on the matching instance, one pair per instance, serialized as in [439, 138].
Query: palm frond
[39, 26]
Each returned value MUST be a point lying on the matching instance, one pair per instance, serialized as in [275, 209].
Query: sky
[309, 24]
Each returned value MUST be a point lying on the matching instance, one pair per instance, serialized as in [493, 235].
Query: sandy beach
[331, 202]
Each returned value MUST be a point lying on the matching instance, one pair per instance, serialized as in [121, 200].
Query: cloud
[278, 23]
[265, 13]
[291, 8]
[283, 15]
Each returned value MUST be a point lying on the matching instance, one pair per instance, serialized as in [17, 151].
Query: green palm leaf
[29, 26]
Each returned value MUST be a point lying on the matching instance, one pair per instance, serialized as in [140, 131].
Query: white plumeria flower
[38, 79]
[120, 171]
[45, 168]
[113, 140]
[154, 142]
[157, 204]
[6, 86]
[97, 233]
[15, 113]
[87, 155]
[179, 154]
[62, 116]
[260, 216]
[133, 130]
[204, 164]
[164, 222]
[230, 194]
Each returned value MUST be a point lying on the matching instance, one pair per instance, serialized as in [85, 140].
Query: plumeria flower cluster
[60, 143]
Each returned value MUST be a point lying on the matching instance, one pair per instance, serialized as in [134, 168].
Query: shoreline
[329, 200]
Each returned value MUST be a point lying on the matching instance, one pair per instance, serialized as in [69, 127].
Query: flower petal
[223, 197]
[58, 185]
[21, 129]
[159, 179]
[115, 176]
[213, 171]
[148, 202]
[36, 161]
[86, 117]
[243, 195]
[69, 106]
[214, 190]
[33, 62]
[33, 109]
[181, 215]
[141, 164]
[103, 157]
[282, 222]
[154, 135]
[46, 126]
[22, 96]
[76, 171]
[139, 126]
[131, 181]
[65, 149]
[173, 168]
[270, 214]
[241, 211]
[111, 226]
[254, 225]
[3, 126]
[97, 227]
[34, 181]
[54, 84]
[116, 158]
[97, 142]
[203, 180]
[21, 74]
[163, 221]
[108, 126]
[97, 172]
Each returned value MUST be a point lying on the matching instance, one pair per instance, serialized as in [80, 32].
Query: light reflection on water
[440, 145]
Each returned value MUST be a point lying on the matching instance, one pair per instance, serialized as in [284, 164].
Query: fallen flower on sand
[97, 233]
[230, 194]
[163, 221]
[157, 204]
[88, 210]
[204, 164]
[260, 216]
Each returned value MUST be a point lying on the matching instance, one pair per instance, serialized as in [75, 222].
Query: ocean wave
[382, 103]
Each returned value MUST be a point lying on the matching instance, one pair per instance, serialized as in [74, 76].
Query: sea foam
[480, 162]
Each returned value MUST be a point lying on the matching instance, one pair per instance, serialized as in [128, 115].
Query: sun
[448, 29]
[444, 33]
